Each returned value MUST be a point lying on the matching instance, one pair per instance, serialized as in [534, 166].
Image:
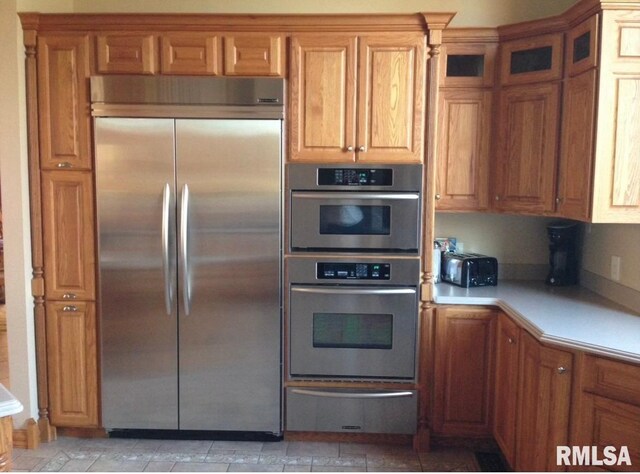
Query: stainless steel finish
[166, 198]
[184, 250]
[353, 412]
[186, 111]
[192, 90]
[64, 164]
[359, 196]
[69, 308]
[340, 394]
[361, 148]
[561, 370]
[353, 291]
[69, 296]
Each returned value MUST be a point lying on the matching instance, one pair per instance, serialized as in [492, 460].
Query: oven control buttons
[355, 177]
[353, 271]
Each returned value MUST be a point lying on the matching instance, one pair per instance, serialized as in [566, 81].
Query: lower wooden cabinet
[72, 363]
[463, 376]
[544, 398]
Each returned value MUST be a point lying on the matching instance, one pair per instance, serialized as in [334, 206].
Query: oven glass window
[355, 220]
[352, 331]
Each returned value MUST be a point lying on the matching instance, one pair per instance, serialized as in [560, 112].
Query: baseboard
[611, 290]
[475, 444]
[83, 432]
[27, 437]
[329, 437]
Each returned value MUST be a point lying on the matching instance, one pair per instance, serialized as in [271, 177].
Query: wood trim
[422, 439]
[470, 35]
[83, 432]
[371, 438]
[27, 437]
[526, 29]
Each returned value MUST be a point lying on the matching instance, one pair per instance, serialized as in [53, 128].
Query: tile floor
[137, 455]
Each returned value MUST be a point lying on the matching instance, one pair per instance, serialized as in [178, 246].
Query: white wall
[15, 214]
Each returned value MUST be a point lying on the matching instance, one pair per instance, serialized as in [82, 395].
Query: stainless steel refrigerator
[189, 213]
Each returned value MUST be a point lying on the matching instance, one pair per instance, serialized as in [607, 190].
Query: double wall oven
[352, 271]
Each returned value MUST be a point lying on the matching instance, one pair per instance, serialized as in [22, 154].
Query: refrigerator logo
[589, 456]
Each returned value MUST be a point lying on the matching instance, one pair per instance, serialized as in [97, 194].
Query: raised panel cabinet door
[253, 55]
[506, 386]
[464, 144]
[576, 147]
[463, 375]
[63, 101]
[68, 232]
[391, 98]
[72, 363]
[544, 393]
[186, 53]
[527, 148]
[322, 98]
[127, 54]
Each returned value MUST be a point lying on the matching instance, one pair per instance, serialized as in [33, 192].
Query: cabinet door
[253, 55]
[63, 102]
[69, 249]
[72, 364]
[582, 47]
[196, 54]
[391, 98]
[544, 391]
[463, 149]
[468, 65]
[463, 374]
[527, 148]
[531, 60]
[126, 54]
[506, 386]
[576, 148]
[322, 100]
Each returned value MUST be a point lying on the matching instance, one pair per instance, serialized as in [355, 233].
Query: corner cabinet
[357, 98]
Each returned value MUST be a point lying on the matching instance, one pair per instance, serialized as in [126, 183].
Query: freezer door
[229, 245]
[135, 181]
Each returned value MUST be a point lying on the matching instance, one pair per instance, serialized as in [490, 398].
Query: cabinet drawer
[126, 54]
[352, 410]
[612, 379]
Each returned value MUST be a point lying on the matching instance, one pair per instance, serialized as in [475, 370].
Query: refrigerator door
[229, 176]
[135, 181]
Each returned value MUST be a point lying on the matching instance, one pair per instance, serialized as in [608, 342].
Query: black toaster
[469, 269]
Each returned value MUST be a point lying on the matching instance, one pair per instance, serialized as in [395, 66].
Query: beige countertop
[572, 317]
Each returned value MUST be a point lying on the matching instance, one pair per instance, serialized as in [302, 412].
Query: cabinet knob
[69, 309]
[361, 148]
[350, 148]
[559, 200]
[561, 370]
[511, 340]
[69, 296]
[497, 197]
[438, 197]
[64, 164]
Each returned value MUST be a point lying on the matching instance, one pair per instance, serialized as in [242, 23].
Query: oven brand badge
[591, 456]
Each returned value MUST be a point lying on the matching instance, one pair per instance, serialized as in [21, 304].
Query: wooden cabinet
[72, 363]
[506, 386]
[126, 53]
[190, 53]
[63, 101]
[544, 392]
[467, 65]
[357, 98]
[531, 60]
[68, 235]
[525, 173]
[253, 55]
[463, 375]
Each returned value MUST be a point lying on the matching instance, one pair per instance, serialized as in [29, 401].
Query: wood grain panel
[63, 101]
[322, 101]
[626, 165]
[488, 52]
[391, 98]
[464, 144]
[72, 363]
[253, 55]
[576, 147]
[508, 48]
[126, 54]
[69, 248]
[575, 36]
[197, 54]
[630, 42]
[527, 148]
[463, 371]
[543, 405]
[612, 379]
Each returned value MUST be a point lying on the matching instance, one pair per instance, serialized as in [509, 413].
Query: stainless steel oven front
[355, 208]
[353, 317]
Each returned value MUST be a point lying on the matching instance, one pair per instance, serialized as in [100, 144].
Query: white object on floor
[9, 405]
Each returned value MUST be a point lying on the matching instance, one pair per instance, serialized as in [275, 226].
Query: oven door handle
[354, 291]
[328, 394]
[356, 196]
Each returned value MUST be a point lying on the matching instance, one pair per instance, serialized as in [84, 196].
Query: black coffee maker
[563, 253]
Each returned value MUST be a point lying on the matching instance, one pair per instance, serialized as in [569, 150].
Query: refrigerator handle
[184, 250]
[168, 293]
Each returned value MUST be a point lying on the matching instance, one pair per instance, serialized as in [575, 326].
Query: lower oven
[353, 317]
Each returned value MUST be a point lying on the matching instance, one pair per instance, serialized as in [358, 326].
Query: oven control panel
[353, 271]
[355, 177]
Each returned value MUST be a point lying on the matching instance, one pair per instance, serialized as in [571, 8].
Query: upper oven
[355, 208]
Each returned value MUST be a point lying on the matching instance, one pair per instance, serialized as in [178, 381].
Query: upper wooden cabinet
[531, 60]
[469, 65]
[63, 101]
[126, 53]
[190, 53]
[582, 47]
[253, 55]
[357, 98]
[525, 171]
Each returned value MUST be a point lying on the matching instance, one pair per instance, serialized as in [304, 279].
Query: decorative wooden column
[436, 22]
[6, 445]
